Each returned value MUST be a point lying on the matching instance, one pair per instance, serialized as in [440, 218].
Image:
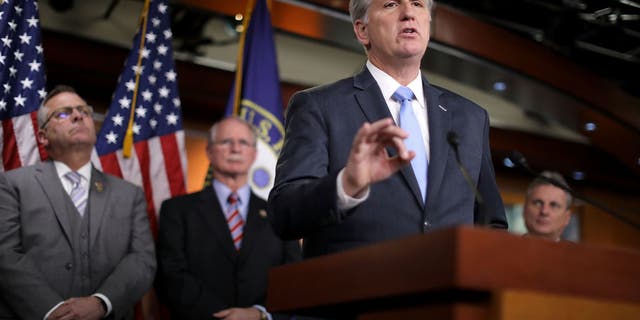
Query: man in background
[547, 208]
[215, 246]
[366, 159]
[75, 243]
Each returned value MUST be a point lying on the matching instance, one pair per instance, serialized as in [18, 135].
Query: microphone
[452, 139]
[519, 160]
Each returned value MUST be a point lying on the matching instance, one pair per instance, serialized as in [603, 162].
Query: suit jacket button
[68, 266]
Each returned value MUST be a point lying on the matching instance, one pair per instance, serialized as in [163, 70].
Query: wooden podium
[463, 273]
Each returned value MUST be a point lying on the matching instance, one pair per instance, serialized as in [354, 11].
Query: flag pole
[239, 66]
[128, 137]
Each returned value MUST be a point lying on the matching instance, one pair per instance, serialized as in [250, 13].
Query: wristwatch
[263, 315]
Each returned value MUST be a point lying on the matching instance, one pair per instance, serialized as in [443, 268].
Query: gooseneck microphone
[519, 160]
[452, 139]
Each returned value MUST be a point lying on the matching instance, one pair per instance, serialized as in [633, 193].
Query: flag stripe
[110, 164]
[144, 162]
[10, 158]
[131, 168]
[26, 138]
[173, 166]
[41, 151]
[158, 172]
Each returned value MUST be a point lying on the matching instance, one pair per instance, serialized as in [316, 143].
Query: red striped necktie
[234, 220]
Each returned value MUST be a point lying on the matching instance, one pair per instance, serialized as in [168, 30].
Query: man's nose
[76, 114]
[407, 9]
[545, 208]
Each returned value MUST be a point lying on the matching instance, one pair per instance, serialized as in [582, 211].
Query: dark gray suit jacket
[199, 270]
[320, 125]
[37, 254]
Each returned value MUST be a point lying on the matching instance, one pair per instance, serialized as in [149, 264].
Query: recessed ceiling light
[590, 126]
[509, 164]
[239, 17]
[577, 175]
[499, 86]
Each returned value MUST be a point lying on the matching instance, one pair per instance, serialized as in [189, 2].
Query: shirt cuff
[52, 309]
[345, 202]
[264, 310]
[106, 302]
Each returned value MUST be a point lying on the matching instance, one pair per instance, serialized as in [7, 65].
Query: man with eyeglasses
[215, 246]
[547, 208]
[75, 243]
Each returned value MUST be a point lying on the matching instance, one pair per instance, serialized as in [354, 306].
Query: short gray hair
[544, 178]
[358, 9]
[43, 112]
[214, 129]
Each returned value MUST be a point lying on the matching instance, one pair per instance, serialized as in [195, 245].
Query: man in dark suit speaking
[74, 242]
[348, 175]
[215, 246]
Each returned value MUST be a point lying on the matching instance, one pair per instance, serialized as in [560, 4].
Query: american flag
[22, 79]
[147, 94]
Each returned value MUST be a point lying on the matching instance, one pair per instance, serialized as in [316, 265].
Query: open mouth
[409, 30]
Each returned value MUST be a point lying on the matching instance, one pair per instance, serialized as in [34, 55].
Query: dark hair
[544, 178]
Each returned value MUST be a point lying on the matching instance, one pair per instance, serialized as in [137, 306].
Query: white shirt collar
[63, 169]
[389, 85]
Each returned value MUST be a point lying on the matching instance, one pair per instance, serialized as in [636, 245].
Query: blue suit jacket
[320, 125]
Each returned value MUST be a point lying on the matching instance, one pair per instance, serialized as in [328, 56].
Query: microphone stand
[518, 159]
[452, 139]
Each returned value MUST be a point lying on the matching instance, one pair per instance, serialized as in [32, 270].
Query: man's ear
[42, 137]
[360, 29]
[209, 152]
[568, 217]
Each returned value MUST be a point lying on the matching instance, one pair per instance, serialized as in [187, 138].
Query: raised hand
[369, 161]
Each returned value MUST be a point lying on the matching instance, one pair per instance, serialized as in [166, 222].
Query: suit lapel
[439, 124]
[256, 218]
[372, 104]
[213, 215]
[99, 193]
[369, 97]
[47, 176]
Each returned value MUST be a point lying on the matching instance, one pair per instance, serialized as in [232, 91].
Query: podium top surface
[459, 258]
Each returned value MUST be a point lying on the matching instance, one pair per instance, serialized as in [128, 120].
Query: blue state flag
[256, 95]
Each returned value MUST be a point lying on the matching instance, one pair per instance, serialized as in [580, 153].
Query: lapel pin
[99, 186]
[262, 213]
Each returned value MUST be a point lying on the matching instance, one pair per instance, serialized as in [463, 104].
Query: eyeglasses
[228, 143]
[66, 112]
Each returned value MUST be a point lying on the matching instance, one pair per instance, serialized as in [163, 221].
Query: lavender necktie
[78, 192]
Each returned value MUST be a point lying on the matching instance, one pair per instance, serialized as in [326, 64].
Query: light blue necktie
[414, 142]
[78, 192]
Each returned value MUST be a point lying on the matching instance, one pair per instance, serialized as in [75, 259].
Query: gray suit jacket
[36, 251]
[320, 125]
